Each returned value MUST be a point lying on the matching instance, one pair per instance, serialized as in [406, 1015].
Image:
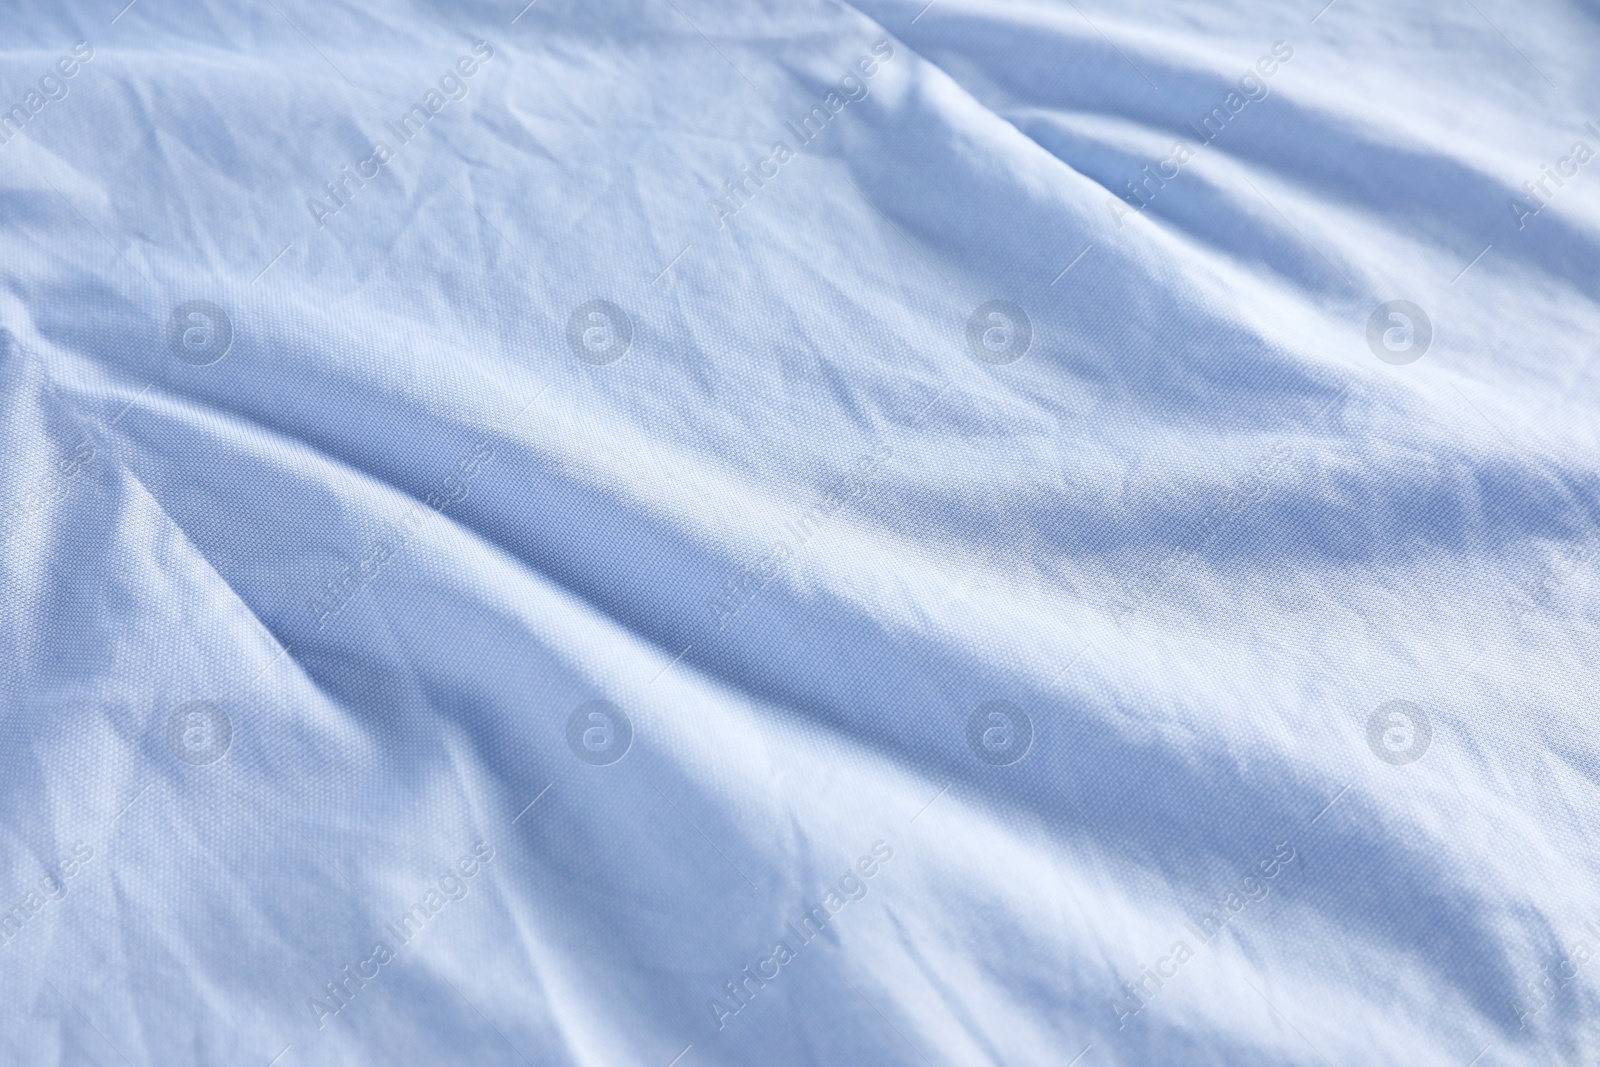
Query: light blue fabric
[795, 533]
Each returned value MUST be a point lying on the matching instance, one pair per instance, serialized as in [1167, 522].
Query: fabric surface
[660, 532]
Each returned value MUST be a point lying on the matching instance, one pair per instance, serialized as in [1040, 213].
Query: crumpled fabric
[654, 532]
